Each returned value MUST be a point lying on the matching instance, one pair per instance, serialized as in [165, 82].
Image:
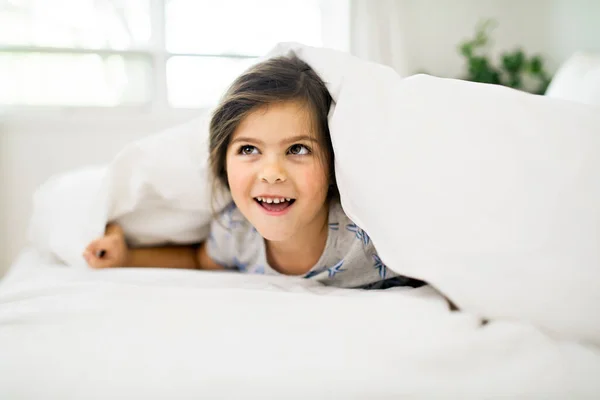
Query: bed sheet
[67, 333]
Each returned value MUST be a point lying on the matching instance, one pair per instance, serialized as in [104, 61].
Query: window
[141, 53]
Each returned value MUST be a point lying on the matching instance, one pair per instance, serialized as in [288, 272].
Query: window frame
[158, 107]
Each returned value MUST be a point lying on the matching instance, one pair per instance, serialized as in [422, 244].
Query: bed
[71, 334]
[498, 212]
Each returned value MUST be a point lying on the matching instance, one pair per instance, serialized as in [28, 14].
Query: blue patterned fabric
[348, 260]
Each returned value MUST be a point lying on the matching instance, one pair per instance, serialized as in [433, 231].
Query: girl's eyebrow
[292, 139]
[299, 138]
[246, 140]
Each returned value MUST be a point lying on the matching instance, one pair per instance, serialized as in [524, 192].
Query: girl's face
[276, 171]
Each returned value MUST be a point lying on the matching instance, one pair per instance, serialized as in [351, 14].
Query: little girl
[270, 146]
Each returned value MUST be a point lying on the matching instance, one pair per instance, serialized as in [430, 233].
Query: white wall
[34, 149]
[553, 28]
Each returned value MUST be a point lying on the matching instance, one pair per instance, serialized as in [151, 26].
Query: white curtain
[377, 34]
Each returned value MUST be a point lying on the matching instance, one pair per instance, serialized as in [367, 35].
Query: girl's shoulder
[231, 218]
[232, 240]
[344, 227]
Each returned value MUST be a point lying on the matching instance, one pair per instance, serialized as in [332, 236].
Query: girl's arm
[186, 257]
[111, 251]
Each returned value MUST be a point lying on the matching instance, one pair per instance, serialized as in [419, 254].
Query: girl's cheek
[233, 175]
[314, 179]
[239, 176]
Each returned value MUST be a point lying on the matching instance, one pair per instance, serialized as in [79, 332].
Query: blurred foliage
[515, 67]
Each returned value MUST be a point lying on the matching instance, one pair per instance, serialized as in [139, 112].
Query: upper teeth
[273, 200]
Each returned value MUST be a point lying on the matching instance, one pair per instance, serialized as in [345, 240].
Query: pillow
[578, 79]
[60, 208]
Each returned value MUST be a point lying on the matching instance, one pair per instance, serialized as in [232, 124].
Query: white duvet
[489, 194]
[70, 333]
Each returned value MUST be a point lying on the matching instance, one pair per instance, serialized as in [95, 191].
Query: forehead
[277, 121]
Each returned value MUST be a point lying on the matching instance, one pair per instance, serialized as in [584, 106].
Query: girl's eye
[299, 150]
[248, 150]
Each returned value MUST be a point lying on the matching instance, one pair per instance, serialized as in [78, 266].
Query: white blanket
[68, 333]
[489, 194]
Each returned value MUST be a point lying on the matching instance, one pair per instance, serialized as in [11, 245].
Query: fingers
[92, 246]
[93, 261]
[99, 253]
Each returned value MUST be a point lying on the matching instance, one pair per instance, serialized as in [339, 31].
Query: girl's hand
[108, 251]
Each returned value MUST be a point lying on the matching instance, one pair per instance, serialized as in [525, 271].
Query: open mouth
[274, 204]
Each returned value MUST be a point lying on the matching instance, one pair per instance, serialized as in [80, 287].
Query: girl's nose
[273, 172]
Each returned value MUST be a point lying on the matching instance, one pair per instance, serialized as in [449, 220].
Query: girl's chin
[275, 236]
[272, 234]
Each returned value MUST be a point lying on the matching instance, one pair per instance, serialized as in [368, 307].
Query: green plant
[514, 66]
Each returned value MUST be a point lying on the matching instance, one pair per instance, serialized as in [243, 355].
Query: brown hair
[279, 79]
